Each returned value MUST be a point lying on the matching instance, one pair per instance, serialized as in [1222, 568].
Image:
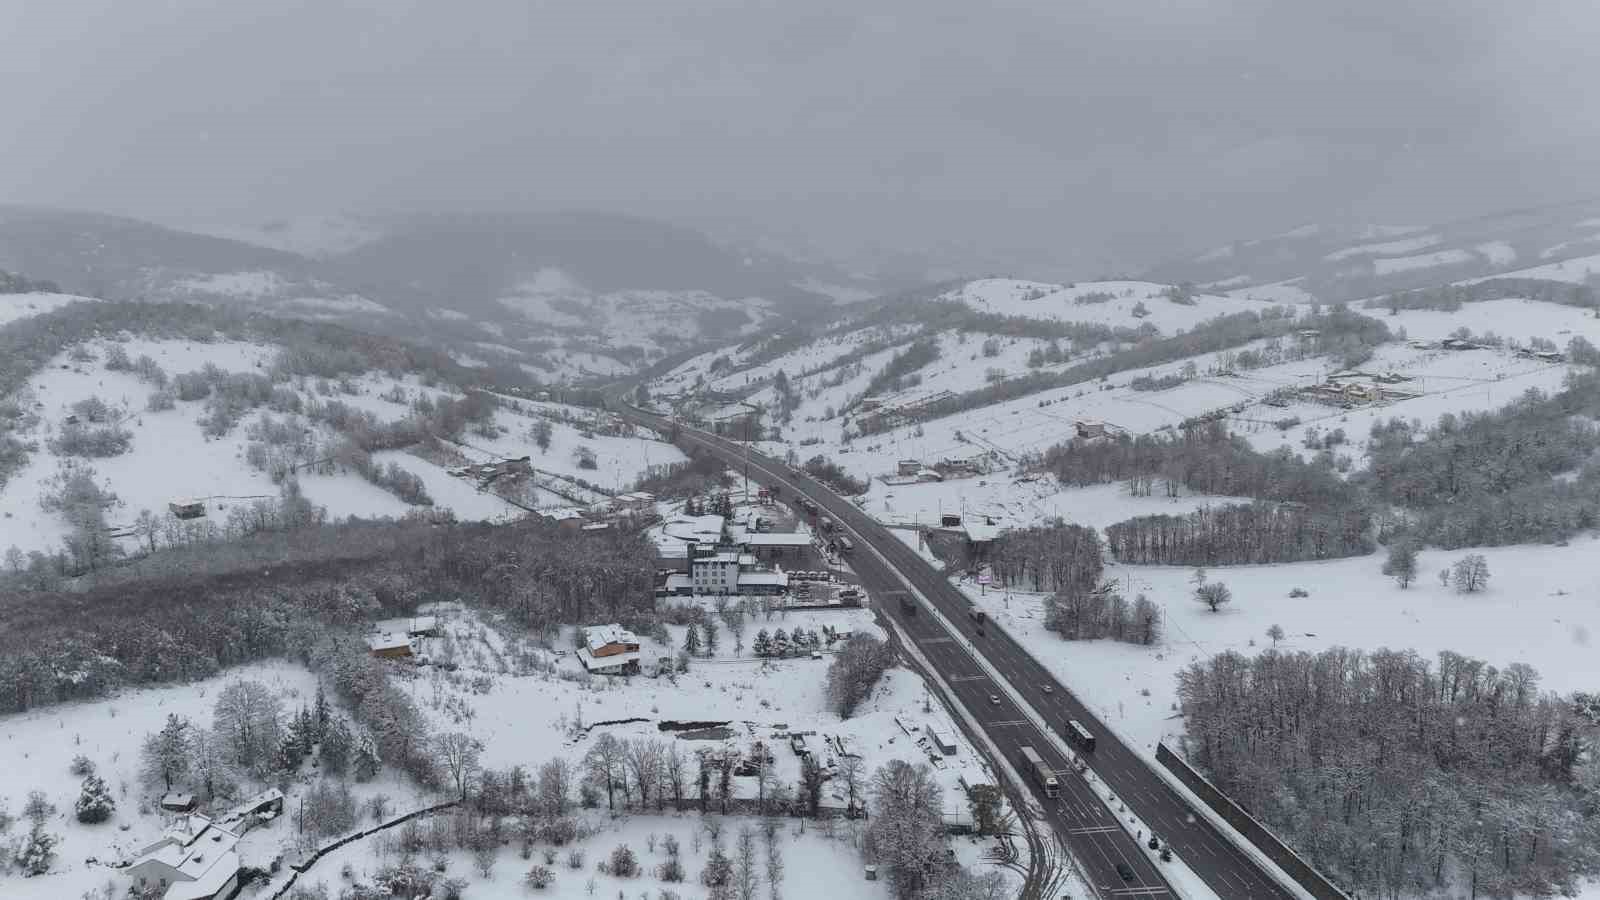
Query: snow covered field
[14, 307]
[1039, 300]
[1542, 608]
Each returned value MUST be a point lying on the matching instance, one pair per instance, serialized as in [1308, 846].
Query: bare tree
[644, 762]
[744, 867]
[674, 770]
[1470, 573]
[603, 766]
[850, 771]
[247, 718]
[555, 786]
[458, 754]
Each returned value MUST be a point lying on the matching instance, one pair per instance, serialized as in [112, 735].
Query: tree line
[1241, 534]
[191, 610]
[1400, 776]
[1340, 332]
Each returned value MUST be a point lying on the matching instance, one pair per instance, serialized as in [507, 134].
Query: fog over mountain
[1035, 136]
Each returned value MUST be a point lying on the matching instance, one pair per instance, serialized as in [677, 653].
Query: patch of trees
[90, 441]
[834, 476]
[855, 671]
[900, 371]
[1241, 534]
[12, 283]
[1154, 383]
[1052, 557]
[1401, 777]
[701, 474]
[1203, 458]
[1450, 297]
[1101, 611]
[1491, 478]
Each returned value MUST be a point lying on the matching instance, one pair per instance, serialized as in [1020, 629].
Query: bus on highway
[1080, 735]
[1041, 772]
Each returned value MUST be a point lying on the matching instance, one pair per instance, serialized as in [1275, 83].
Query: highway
[1081, 819]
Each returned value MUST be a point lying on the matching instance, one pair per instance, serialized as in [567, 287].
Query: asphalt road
[1096, 840]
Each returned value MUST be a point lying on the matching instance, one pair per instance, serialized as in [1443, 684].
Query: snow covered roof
[563, 513]
[213, 870]
[677, 581]
[392, 641]
[778, 578]
[200, 850]
[980, 531]
[597, 636]
[778, 539]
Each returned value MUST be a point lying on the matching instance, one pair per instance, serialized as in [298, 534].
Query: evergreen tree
[38, 852]
[691, 640]
[166, 752]
[95, 803]
[718, 874]
[337, 744]
[365, 761]
[763, 643]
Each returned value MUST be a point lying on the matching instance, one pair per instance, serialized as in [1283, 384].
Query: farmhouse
[567, 518]
[943, 744]
[908, 466]
[195, 860]
[609, 650]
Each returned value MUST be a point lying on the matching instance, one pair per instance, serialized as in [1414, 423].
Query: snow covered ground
[1542, 608]
[1420, 261]
[36, 748]
[1387, 248]
[170, 458]
[15, 307]
[1577, 270]
[1039, 300]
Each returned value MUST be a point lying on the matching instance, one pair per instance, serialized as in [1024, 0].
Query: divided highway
[1078, 816]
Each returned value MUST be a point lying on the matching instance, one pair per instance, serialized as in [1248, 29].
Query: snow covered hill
[156, 421]
[1332, 263]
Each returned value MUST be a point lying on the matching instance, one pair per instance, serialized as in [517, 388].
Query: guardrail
[1315, 883]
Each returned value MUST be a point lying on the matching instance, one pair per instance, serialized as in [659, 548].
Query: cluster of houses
[915, 471]
[1353, 388]
[198, 857]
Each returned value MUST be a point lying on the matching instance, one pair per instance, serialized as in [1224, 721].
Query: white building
[196, 860]
[715, 573]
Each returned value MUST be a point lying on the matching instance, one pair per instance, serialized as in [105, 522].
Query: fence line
[299, 869]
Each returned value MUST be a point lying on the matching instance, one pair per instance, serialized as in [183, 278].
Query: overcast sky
[1107, 130]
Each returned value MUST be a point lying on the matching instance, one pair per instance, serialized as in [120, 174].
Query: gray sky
[1031, 129]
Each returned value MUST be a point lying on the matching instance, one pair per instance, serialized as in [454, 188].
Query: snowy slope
[15, 307]
[1038, 300]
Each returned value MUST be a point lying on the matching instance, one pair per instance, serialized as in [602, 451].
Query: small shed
[390, 646]
[945, 745]
[176, 801]
[187, 508]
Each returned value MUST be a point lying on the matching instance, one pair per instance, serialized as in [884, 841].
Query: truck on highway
[976, 615]
[846, 545]
[827, 524]
[907, 605]
[1046, 778]
[1080, 736]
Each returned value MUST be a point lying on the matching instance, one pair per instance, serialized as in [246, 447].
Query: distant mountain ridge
[531, 290]
[1344, 262]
